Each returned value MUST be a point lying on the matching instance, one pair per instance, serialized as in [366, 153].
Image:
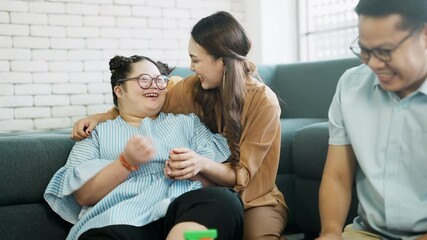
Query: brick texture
[54, 54]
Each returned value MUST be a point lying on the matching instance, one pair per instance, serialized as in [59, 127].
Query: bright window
[327, 28]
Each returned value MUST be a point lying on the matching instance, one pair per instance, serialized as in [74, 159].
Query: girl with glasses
[115, 184]
[226, 93]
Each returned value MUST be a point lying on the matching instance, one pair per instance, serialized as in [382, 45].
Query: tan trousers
[265, 223]
[350, 234]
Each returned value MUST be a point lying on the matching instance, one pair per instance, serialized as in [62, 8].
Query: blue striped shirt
[146, 194]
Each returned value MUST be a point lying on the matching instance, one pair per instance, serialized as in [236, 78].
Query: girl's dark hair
[222, 36]
[413, 12]
[120, 68]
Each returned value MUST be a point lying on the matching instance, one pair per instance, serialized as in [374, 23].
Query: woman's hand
[139, 150]
[168, 170]
[184, 164]
[198, 177]
[83, 128]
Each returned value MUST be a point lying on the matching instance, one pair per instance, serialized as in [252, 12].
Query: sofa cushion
[307, 88]
[28, 163]
[32, 221]
[285, 180]
[310, 147]
[288, 127]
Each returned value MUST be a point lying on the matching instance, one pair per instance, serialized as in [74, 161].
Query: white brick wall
[33, 89]
[33, 112]
[6, 113]
[6, 90]
[54, 54]
[4, 66]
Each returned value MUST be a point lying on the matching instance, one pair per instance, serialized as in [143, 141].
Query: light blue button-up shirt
[389, 139]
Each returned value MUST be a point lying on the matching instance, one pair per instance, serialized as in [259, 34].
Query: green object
[197, 235]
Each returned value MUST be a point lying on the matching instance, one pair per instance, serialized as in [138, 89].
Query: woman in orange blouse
[229, 99]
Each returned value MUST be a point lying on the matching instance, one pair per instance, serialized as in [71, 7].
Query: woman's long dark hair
[222, 36]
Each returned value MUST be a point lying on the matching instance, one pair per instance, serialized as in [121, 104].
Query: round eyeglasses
[145, 81]
[380, 53]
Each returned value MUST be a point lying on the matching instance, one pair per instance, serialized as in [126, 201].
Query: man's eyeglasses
[145, 81]
[380, 53]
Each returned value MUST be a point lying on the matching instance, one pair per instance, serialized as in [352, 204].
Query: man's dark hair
[413, 12]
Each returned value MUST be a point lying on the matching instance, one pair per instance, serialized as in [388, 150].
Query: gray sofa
[306, 90]
[28, 160]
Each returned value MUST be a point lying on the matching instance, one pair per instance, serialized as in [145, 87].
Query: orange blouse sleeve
[260, 143]
[179, 98]
[114, 112]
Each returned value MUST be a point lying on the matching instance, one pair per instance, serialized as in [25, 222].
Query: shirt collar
[422, 88]
[376, 83]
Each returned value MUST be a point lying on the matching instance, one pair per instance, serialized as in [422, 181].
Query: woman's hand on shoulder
[83, 128]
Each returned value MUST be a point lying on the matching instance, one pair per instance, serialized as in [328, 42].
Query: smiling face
[136, 102]
[407, 69]
[209, 69]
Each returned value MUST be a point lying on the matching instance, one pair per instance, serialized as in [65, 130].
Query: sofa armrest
[285, 180]
[310, 148]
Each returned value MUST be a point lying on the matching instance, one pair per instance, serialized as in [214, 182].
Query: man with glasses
[378, 128]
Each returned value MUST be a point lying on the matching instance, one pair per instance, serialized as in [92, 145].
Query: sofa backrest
[28, 162]
[306, 89]
[181, 71]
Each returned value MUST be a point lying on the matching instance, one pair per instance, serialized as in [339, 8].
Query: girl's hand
[139, 150]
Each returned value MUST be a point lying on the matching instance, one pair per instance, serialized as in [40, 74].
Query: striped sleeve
[208, 144]
[82, 164]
